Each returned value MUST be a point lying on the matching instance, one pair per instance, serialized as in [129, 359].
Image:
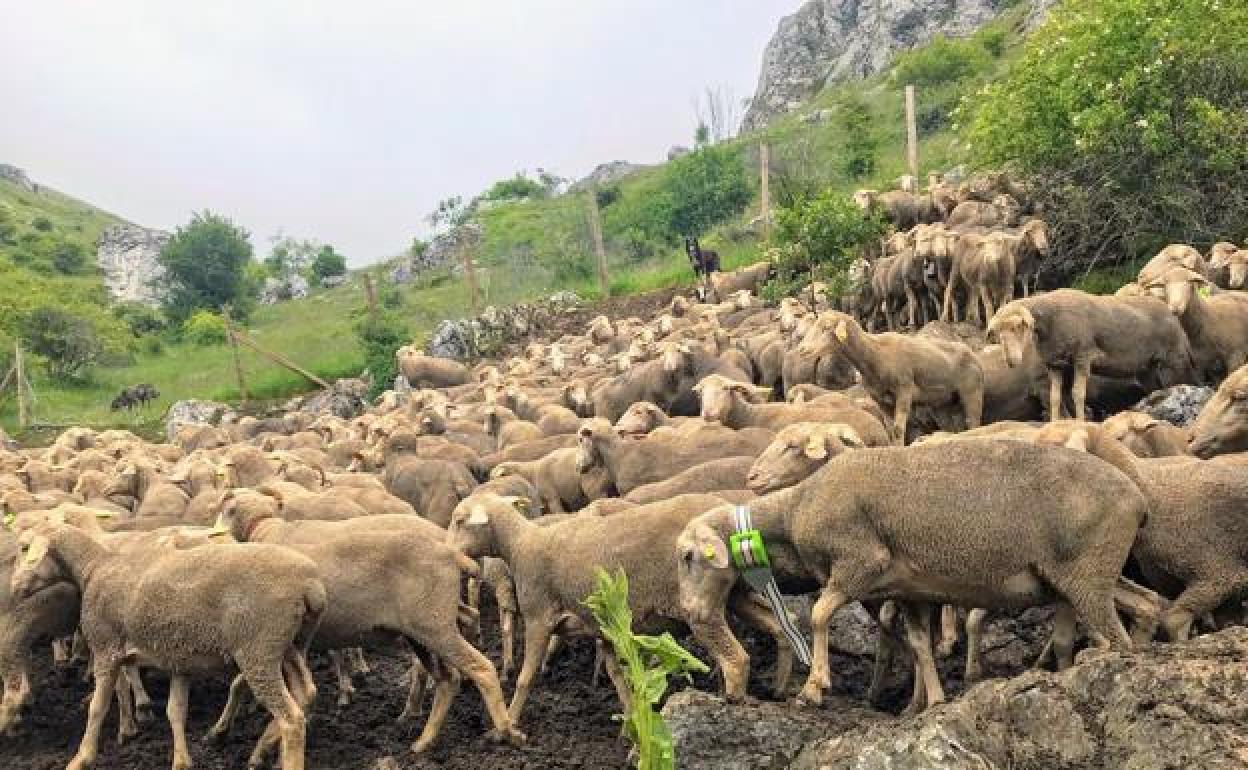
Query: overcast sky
[348, 121]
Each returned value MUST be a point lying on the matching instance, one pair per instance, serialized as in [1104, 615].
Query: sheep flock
[946, 441]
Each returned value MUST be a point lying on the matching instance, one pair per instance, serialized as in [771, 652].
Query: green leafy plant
[380, 335]
[204, 328]
[648, 661]
[207, 266]
[67, 343]
[817, 239]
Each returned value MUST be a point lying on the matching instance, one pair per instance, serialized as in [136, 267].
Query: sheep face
[1037, 232]
[1131, 429]
[864, 199]
[823, 334]
[35, 568]
[1220, 254]
[1013, 327]
[705, 571]
[1177, 286]
[718, 396]
[639, 419]
[470, 529]
[1238, 269]
[797, 452]
[1222, 426]
[587, 456]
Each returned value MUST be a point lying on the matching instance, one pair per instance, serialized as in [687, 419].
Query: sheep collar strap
[749, 556]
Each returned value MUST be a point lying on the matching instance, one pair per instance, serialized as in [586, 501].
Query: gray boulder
[455, 339]
[346, 398]
[276, 289]
[18, 177]
[1179, 404]
[605, 174]
[1163, 707]
[194, 412]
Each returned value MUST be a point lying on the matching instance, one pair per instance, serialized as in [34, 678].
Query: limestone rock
[1166, 706]
[18, 177]
[127, 254]
[345, 398]
[276, 290]
[829, 41]
[194, 412]
[467, 339]
[453, 338]
[1179, 404]
[605, 174]
[677, 150]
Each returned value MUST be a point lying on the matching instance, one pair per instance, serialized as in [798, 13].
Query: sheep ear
[477, 517]
[849, 437]
[1078, 441]
[815, 448]
[37, 550]
[842, 332]
[520, 504]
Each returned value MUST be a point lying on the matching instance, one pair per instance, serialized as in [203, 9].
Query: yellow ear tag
[1203, 291]
[9, 518]
[709, 552]
[37, 551]
[842, 332]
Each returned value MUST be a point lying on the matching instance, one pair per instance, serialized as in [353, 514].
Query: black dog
[136, 395]
[703, 261]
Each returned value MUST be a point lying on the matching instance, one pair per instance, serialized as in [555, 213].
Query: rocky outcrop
[1167, 706]
[346, 398]
[276, 290]
[442, 251]
[193, 412]
[606, 174]
[18, 177]
[471, 338]
[1179, 404]
[828, 41]
[127, 254]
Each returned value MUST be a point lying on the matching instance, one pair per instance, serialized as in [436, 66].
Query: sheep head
[1014, 327]
[471, 528]
[1238, 268]
[797, 452]
[827, 333]
[639, 419]
[704, 567]
[865, 199]
[1037, 232]
[719, 396]
[1222, 425]
[1177, 286]
[588, 455]
[36, 567]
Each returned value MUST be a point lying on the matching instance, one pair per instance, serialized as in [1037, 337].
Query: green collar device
[749, 556]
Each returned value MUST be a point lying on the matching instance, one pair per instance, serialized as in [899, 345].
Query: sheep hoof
[811, 696]
[510, 735]
[216, 735]
[421, 746]
[944, 649]
[407, 716]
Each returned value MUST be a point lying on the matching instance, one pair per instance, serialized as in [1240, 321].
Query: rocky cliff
[827, 41]
[127, 256]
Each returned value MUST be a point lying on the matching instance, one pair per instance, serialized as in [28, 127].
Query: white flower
[1080, 143]
[1142, 123]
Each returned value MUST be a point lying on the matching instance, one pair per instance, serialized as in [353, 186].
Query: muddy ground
[569, 724]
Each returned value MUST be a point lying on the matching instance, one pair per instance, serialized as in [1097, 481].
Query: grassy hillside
[533, 247]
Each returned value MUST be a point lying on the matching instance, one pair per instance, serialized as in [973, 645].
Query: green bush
[1128, 118]
[861, 145]
[391, 297]
[66, 342]
[380, 337]
[139, 318]
[705, 187]
[208, 265]
[42, 224]
[329, 263]
[943, 60]
[69, 257]
[204, 328]
[517, 187]
[818, 239]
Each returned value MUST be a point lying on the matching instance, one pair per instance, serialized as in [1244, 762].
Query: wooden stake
[279, 359]
[600, 250]
[912, 135]
[470, 273]
[372, 297]
[764, 187]
[232, 335]
[23, 415]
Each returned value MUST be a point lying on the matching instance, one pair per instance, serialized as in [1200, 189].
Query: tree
[206, 267]
[289, 256]
[718, 112]
[705, 187]
[1127, 119]
[418, 248]
[69, 257]
[328, 263]
[67, 342]
[518, 187]
[450, 212]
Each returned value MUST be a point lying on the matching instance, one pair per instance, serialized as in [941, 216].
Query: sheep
[903, 371]
[257, 605]
[421, 370]
[632, 463]
[1174, 255]
[556, 476]
[529, 450]
[1003, 211]
[798, 451]
[1146, 436]
[745, 279]
[914, 524]
[724, 474]
[1216, 326]
[155, 496]
[1222, 425]
[1111, 336]
[554, 571]
[431, 485]
[1228, 266]
[643, 418]
[737, 405]
[401, 584]
[985, 266]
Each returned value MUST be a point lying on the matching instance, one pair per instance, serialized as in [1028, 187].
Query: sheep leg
[444, 692]
[600, 653]
[918, 616]
[1197, 599]
[78, 651]
[974, 655]
[759, 615]
[901, 411]
[469, 661]
[1055, 395]
[1062, 640]
[830, 600]
[415, 690]
[1079, 387]
[948, 630]
[270, 689]
[912, 306]
[359, 664]
[142, 701]
[726, 651]
[15, 679]
[552, 650]
[226, 721]
[1143, 606]
[507, 630]
[985, 296]
[887, 643]
[60, 651]
[175, 710]
[536, 641]
[972, 398]
[126, 726]
[1093, 602]
[346, 688]
[105, 683]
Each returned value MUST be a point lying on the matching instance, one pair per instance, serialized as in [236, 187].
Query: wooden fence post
[600, 250]
[232, 336]
[912, 135]
[371, 294]
[23, 413]
[470, 274]
[764, 187]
